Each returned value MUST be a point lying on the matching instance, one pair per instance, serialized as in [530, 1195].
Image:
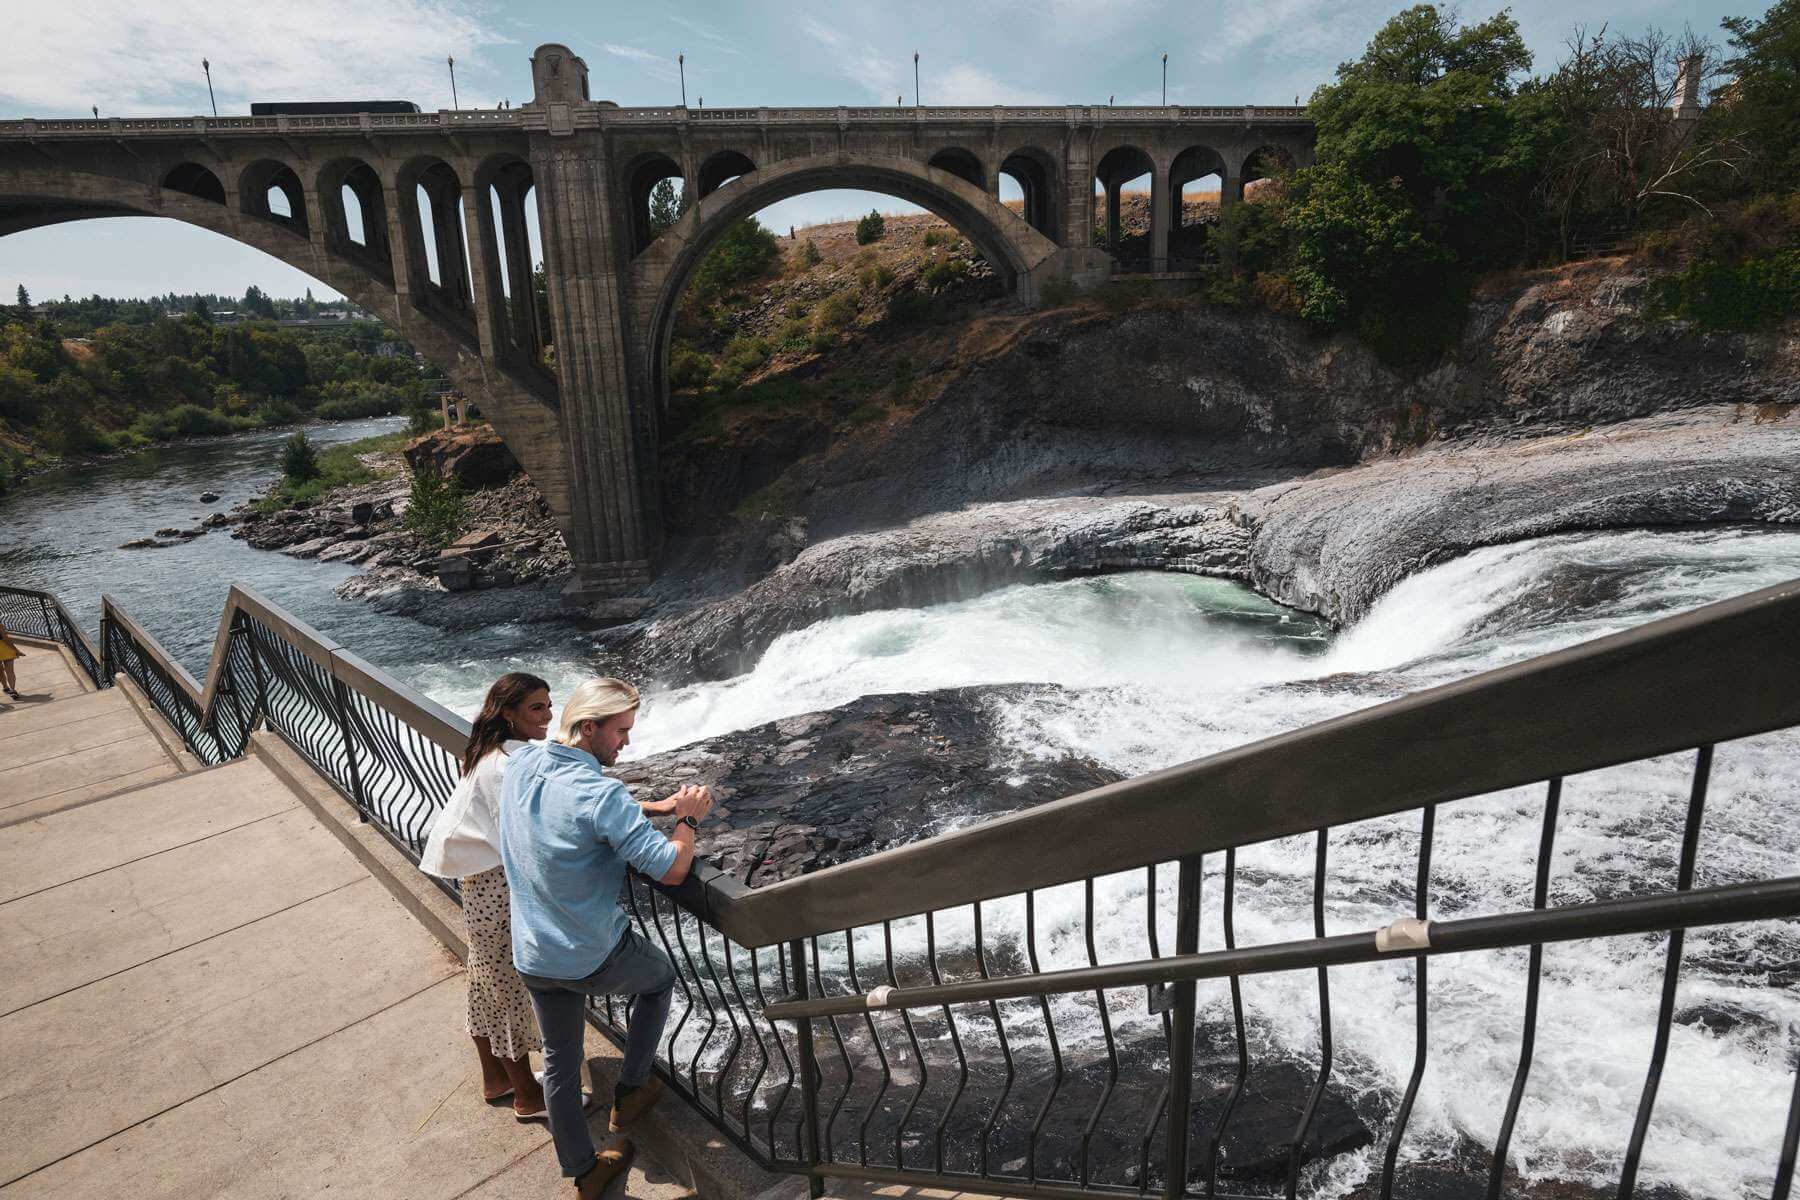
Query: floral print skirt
[499, 1005]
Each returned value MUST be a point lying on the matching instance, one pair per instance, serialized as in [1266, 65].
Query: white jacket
[465, 838]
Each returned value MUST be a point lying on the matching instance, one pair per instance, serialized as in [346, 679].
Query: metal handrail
[32, 613]
[1723, 905]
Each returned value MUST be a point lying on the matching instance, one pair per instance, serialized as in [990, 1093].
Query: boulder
[474, 457]
[148, 543]
[456, 573]
[208, 497]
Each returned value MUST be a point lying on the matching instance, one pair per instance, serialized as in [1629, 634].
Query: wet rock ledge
[810, 791]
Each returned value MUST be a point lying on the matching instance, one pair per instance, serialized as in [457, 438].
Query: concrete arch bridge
[421, 218]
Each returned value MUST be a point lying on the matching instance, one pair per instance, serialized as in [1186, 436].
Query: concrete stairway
[203, 992]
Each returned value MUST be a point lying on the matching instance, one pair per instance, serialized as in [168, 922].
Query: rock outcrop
[473, 455]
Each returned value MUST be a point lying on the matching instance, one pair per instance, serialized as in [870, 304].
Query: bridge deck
[204, 993]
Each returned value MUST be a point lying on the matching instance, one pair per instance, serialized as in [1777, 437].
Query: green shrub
[276, 411]
[945, 272]
[1732, 297]
[688, 368]
[933, 237]
[437, 510]
[867, 414]
[809, 254]
[299, 462]
[745, 354]
[875, 275]
[743, 252]
[912, 307]
[837, 313]
[820, 341]
[188, 420]
[798, 308]
[870, 228]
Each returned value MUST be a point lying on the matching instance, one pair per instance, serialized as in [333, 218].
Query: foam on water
[1171, 668]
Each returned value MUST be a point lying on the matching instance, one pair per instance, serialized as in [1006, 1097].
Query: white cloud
[720, 43]
[127, 56]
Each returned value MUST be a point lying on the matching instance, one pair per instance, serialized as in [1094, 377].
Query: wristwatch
[690, 822]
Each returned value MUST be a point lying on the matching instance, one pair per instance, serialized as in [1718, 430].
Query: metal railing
[941, 1014]
[41, 615]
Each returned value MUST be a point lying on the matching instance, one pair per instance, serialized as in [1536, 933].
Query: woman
[465, 844]
[8, 652]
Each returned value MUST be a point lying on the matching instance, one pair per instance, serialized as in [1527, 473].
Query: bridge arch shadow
[660, 275]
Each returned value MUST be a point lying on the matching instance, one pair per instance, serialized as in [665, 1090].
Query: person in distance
[567, 835]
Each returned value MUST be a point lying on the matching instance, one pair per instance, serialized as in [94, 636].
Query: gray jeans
[635, 968]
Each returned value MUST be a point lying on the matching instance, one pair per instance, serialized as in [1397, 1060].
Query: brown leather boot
[625, 1111]
[611, 1163]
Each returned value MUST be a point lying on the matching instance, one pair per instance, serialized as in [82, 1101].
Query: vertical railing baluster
[809, 1072]
[1112, 1049]
[987, 1129]
[912, 1038]
[1297, 1152]
[341, 709]
[1665, 1012]
[1534, 970]
[1421, 992]
[1790, 1147]
[1216, 1142]
[887, 1075]
[1181, 1016]
[1037, 1125]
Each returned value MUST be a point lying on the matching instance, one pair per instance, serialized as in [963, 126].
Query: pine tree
[665, 207]
[24, 301]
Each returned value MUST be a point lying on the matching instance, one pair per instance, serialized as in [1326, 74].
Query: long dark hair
[492, 729]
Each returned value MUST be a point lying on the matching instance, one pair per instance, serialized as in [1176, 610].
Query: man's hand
[692, 801]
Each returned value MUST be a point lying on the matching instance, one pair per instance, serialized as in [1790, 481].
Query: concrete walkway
[204, 993]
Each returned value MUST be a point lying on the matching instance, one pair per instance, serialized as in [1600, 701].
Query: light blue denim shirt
[567, 833]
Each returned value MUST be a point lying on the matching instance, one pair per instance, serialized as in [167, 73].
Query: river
[1169, 668]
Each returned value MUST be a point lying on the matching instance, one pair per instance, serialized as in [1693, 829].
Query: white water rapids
[1170, 668]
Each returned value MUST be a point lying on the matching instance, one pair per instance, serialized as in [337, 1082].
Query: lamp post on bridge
[1165, 80]
[915, 79]
[207, 67]
[681, 65]
[451, 59]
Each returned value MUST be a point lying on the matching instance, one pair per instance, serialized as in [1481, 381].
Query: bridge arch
[1115, 168]
[641, 175]
[660, 274]
[964, 164]
[505, 192]
[265, 178]
[1265, 162]
[195, 180]
[721, 169]
[1033, 169]
[31, 197]
[344, 182]
[430, 195]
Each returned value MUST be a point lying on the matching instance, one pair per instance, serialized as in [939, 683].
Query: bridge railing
[40, 615]
[1012, 1007]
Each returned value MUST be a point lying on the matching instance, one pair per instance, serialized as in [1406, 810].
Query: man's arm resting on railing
[694, 803]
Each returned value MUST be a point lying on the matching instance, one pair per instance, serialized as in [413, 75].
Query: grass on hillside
[339, 466]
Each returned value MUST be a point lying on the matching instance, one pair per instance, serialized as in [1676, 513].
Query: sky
[129, 57]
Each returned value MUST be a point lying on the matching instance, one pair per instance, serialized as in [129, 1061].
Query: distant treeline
[92, 376]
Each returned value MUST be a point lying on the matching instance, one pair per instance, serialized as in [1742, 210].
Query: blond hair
[594, 700]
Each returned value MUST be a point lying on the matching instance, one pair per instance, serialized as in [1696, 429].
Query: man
[567, 836]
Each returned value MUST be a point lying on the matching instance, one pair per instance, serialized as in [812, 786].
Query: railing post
[106, 647]
[49, 628]
[340, 696]
[809, 1071]
[1181, 1031]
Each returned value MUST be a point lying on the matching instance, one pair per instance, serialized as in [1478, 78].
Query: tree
[201, 310]
[1762, 105]
[1427, 103]
[870, 228]
[665, 207]
[1620, 150]
[24, 303]
[1365, 261]
[299, 463]
[744, 251]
